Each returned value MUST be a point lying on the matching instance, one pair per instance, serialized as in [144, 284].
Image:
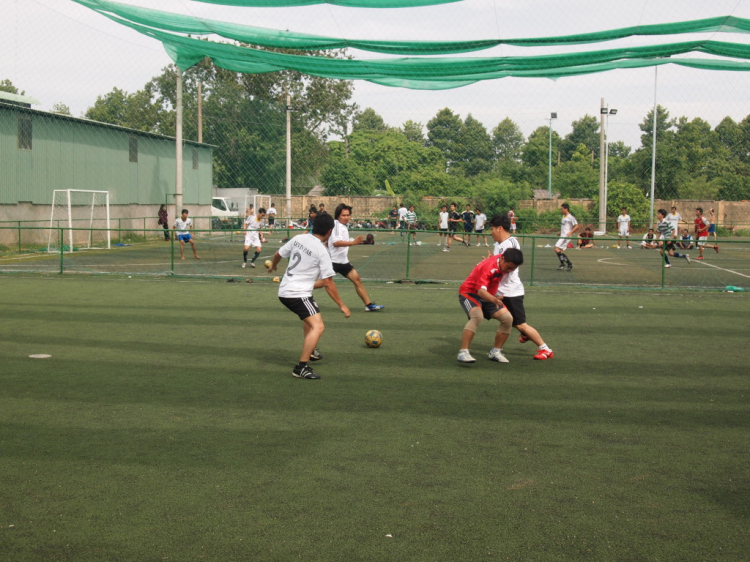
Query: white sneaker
[446, 249]
[687, 257]
[439, 244]
[497, 355]
[465, 357]
[244, 265]
[487, 245]
[667, 265]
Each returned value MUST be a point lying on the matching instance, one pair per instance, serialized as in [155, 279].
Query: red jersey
[486, 275]
[512, 216]
[701, 226]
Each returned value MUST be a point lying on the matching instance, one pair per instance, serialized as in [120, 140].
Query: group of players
[493, 289]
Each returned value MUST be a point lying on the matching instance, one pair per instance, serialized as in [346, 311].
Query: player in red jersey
[701, 232]
[478, 297]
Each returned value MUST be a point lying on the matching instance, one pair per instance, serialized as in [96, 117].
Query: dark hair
[500, 220]
[588, 228]
[322, 224]
[624, 209]
[662, 212]
[184, 211]
[341, 207]
[513, 255]
[261, 211]
[699, 209]
[313, 209]
[565, 206]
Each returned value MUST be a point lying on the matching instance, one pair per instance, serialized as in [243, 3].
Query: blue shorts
[184, 238]
[711, 228]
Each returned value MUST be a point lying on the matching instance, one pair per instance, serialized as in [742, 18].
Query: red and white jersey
[512, 217]
[701, 226]
[486, 275]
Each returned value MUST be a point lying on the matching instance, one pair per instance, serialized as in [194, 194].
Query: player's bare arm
[333, 292]
[274, 262]
[485, 295]
[342, 243]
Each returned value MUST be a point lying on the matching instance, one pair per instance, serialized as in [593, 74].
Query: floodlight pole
[288, 160]
[552, 116]
[602, 181]
[603, 200]
[178, 146]
[653, 155]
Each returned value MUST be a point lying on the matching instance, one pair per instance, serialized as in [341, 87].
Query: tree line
[351, 151]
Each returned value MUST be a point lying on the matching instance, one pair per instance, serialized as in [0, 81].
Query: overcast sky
[59, 51]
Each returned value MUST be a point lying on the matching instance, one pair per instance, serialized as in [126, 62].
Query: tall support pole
[200, 111]
[549, 172]
[602, 180]
[178, 147]
[653, 155]
[288, 160]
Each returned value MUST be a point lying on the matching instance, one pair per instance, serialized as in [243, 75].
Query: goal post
[82, 216]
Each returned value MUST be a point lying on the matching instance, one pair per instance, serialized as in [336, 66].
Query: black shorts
[443, 230]
[516, 309]
[452, 227]
[468, 228]
[479, 231]
[343, 268]
[471, 300]
[304, 307]
[271, 220]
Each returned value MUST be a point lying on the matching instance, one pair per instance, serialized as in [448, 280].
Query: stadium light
[606, 151]
[552, 116]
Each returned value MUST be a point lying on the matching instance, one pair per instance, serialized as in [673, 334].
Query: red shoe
[699, 258]
[543, 354]
[716, 248]
[523, 339]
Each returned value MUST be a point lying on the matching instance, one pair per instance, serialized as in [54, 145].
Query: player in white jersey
[480, 220]
[309, 268]
[674, 218]
[568, 227]
[511, 288]
[271, 213]
[182, 227]
[338, 246]
[443, 225]
[253, 236]
[623, 226]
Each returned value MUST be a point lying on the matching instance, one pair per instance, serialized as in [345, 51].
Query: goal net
[79, 220]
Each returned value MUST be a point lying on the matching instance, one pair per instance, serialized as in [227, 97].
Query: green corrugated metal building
[42, 151]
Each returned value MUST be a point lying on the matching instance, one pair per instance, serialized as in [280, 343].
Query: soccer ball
[268, 264]
[373, 338]
[419, 242]
[275, 279]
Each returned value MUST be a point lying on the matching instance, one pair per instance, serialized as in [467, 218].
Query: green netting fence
[395, 257]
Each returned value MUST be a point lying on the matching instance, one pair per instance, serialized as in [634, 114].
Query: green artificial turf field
[166, 425]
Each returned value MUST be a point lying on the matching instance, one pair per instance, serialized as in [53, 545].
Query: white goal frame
[69, 228]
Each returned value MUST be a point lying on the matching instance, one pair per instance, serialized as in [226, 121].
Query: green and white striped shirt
[411, 217]
[665, 230]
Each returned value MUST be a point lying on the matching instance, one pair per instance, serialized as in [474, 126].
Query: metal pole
[549, 174]
[602, 181]
[200, 111]
[178, 147]
[653, 155]
[288, 160]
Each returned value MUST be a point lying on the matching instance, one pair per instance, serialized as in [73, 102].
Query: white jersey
[402, 213]
[308, 261]
[182, 226]
[674, 219]
[567, 224]
[480, 219]
[443, 220]
[271, 212]
[623, 222]
[510, 284]
[340, 233]
[252, 223]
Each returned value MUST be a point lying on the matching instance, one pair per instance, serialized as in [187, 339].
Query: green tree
[60, 108]
[413, 131]
[444, 133]
[577, 178]
[535, 156]
[507, 139]
[7, 86]
[476, 152]
[369, 120]
[342, 176]
[628, 195]
[585, 132]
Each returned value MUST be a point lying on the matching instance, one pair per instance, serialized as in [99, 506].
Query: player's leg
[474, 312]
[258, 249]
[182, 248]
[351, 274]
[245, 251]
[195, 251]
[501, 336]
[560, 247]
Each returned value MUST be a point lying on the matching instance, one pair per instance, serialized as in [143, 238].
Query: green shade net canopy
[429, 73]
[346, 3]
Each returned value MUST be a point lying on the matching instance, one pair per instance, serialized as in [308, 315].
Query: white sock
[500, 349]
[544, 347]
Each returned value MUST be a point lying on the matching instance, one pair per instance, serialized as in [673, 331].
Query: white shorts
[702, 240]
[624, 231]
[512, 226]
[562, 243]
[252, 239]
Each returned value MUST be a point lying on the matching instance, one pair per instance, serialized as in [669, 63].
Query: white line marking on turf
[722, 268]
[603, 260]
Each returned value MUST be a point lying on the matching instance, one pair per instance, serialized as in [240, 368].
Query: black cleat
[316, 355]
[304, 373]
[570, 267]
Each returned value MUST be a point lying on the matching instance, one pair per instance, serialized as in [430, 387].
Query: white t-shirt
[308, 261]
[340, 232]
[567, 224]
[271, 212]
[510, 284]
[402, 213]
[624, 222]
[480, 219]
[443, 219]
[252, 223]
[182, 226]
[647, 240]
[674, 219]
